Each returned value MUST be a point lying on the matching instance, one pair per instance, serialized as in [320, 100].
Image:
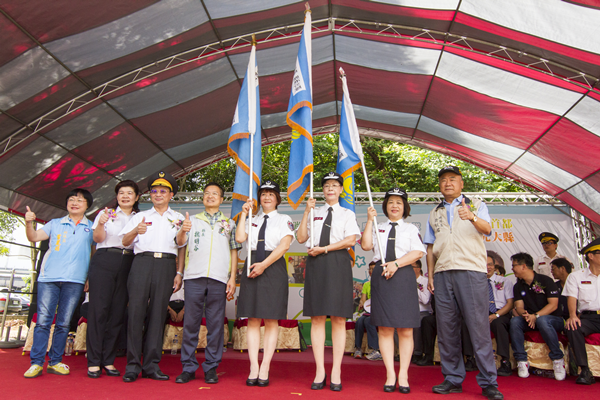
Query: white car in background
[14, 306]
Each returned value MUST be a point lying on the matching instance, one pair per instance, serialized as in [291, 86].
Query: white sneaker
[559, 369]
[375, 356]
[523, 367]
[357, 353]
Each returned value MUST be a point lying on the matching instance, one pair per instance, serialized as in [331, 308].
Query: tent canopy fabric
[96, 92]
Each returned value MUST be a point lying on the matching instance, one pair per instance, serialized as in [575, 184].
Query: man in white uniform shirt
[153, 277]
[583, 298]
[542, 264]
[500, 313]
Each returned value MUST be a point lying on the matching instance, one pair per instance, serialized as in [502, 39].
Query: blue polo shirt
[68, 258]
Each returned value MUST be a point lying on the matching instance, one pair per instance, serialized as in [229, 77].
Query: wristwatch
[474, 218]
[537, 315]
[497, 315]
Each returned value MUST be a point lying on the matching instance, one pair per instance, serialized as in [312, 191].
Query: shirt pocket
[587, 293]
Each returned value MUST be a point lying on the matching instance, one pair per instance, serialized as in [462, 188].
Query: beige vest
[460, 247]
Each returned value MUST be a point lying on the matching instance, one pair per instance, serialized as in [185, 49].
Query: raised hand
[186, 226]
[29, 215]
[464, 212]
[142, 227]
[103, 217]
[371, 213]
[248, 205]
[310, 204]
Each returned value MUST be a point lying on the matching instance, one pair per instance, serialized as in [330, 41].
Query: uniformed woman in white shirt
[394, 298]
[328, 287]
[109, 270]
[264, 292]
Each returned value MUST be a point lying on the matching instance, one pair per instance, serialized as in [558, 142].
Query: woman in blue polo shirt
[61, 280]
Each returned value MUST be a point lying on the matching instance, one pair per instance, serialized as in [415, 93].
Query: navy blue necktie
[492, 301]
[260, 245]
[326, 230]
[390, 251]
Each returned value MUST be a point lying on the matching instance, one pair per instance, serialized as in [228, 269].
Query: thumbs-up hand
[29, 215]
[142, 227]
[465, 212]
[186, 226]
[103, 217]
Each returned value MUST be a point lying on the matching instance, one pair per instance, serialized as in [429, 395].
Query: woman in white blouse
[109, 270]
[264, 292]
[394, 298]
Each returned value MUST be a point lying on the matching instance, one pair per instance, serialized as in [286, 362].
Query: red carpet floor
[291, 375]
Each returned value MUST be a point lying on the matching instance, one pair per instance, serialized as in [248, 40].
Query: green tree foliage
[8, 224]
[388, 164]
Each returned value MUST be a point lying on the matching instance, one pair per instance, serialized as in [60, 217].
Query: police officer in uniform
[583, 295]
[153, 277]
[542, 264]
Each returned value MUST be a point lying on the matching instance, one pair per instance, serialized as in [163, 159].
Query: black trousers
[429, 332]
[108, 299]
[150, 286]
[590, 323]
[500, 328]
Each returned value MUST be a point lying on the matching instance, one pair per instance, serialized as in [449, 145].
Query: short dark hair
[563, 262]
[217, 185]
[523, 258]
[277, 195]
[372, 263]
[89, 199]
[500, 269]
[419, 263]
[496, 258]
[136, 189]
[406, 212]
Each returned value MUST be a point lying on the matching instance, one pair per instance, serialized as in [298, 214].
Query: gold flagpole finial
[253, 39]
[342, 72]
[307, 6]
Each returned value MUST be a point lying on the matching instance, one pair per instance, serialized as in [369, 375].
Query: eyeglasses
[76, 200]
[331, 186]
[159, 191]
[218, 194]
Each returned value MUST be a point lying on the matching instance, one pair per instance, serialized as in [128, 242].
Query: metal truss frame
[331, 24]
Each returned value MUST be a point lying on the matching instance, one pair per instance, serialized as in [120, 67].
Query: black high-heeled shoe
[320, 385]
[404, 389]
[335, 387]
[94, 374]
[389, 388]
[263, 382]
[251, 382]
[111, 372]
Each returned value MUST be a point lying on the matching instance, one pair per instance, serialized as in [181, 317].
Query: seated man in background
[424, 309]
[561, 268]
[364, 322]
[583, 294]
[501, 305]
[536, 304]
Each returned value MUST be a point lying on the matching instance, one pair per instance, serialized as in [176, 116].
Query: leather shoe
[130, 377]
[94, 374]
[425, 360]
[263, 382]
[470, 364]
[389, 388]
[211, 376]
[336, 387]
[446, 387]
[185, 377]
[585, 377]
[112, 372]
[319, 385]
[404, 389]
[492, 393]
[251, 382]
[156, 375]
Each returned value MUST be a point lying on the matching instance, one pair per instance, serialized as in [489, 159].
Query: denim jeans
[547, 325]
[364, 322]
[65, 295]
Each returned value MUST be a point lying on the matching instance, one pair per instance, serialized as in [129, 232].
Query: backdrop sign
[515, 228]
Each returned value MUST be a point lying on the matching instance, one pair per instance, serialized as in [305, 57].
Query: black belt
[590, 312]
[156, 255]
[125, 252]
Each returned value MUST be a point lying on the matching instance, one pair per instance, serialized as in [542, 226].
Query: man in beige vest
[456, 264]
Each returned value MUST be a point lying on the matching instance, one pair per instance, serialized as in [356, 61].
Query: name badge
[254, 225]
[543, 263]
[148, 223]
[382, 230]
[318, 218]
[586, 282]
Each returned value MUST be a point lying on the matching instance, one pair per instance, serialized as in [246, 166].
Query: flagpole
[252, 130]
[362, 163]
[312, 211]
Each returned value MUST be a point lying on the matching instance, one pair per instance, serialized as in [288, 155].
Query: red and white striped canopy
[93, 92]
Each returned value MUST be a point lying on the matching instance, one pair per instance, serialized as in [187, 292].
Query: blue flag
[349, 150]
[299, 118]
[244, 130]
